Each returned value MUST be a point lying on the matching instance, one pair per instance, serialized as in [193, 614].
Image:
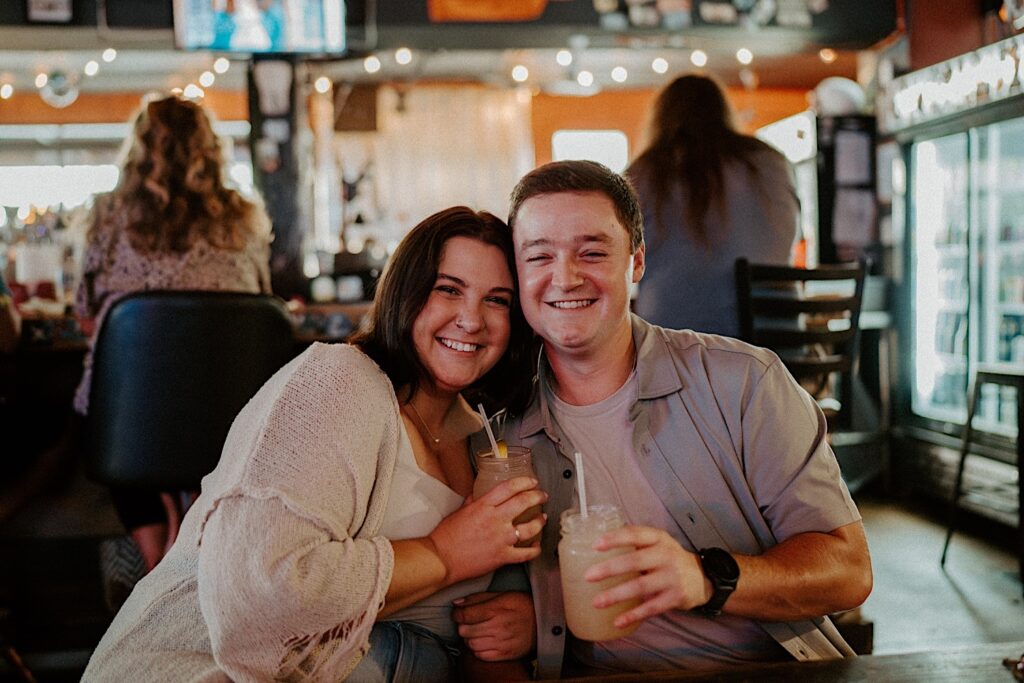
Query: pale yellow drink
[575, 555]
[491, 471]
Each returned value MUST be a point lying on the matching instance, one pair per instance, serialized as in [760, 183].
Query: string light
[659, 65]
[619, 74]
[699, 58]
[585, 78]
[221, 65]
[744, 56]
[6, 91]
[91, 68]
[109, 55]
[563, 57]
[520, 73]
[206, 79]
[827, 55]
[403, 55]
[371, 64]
[322, 85]
[41, 80]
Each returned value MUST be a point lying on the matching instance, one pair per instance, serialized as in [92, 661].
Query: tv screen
[263, 26]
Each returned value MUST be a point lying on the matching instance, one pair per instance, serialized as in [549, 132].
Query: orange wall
[626, 110]
[108, 108]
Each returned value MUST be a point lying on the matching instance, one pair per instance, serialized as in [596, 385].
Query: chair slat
[776, 339]
[777, 306]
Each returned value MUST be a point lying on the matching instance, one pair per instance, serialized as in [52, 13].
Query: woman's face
[464, 327]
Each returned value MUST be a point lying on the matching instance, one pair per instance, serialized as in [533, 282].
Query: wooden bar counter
[974, 663]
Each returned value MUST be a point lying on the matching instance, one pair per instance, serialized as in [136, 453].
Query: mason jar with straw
[576, 554]
[501, 463]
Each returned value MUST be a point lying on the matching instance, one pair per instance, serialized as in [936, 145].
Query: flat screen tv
[260, 26]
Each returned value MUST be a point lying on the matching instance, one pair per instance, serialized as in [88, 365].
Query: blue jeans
[401, 652]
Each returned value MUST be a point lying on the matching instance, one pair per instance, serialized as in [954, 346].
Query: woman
[171, 223]
[710, 195]
[342, 497]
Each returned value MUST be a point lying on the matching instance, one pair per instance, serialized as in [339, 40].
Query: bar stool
[1008, 376]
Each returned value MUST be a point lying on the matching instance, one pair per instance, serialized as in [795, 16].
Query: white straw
[580, 487]
[490, 434]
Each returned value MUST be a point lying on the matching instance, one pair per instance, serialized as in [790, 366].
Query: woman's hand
[480, 536]
[497, 626]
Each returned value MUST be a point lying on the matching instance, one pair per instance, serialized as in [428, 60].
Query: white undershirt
[417, 503]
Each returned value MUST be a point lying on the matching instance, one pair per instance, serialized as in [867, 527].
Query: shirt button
[557, 631]
[567, 474]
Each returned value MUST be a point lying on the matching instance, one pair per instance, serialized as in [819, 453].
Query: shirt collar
[655, 367]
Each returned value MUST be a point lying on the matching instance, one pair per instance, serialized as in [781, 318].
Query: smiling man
[738, 521]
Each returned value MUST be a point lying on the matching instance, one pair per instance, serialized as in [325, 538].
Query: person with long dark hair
[710, 195]
[338, 528]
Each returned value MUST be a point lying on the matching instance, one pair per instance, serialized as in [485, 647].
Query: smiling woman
[341, 504]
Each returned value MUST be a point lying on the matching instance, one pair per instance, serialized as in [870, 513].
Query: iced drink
[575, 555]
[491, 471]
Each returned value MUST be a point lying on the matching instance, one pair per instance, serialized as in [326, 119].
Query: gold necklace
[435, 439]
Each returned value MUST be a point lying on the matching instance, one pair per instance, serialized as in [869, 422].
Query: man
[738, 521]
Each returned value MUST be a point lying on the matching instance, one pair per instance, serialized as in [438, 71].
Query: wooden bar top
[975, 663]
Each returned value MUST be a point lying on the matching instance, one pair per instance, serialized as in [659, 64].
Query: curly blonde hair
[171, 191]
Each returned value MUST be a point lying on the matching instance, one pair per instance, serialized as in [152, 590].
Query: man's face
[575, 270]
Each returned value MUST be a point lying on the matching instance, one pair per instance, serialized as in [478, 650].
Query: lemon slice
[502, 448]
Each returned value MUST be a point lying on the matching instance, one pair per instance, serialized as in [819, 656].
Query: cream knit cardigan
[278, 572]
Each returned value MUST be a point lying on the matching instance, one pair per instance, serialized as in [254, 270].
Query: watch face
[720, 564]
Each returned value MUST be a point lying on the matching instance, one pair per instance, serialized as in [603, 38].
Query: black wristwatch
[722, 571]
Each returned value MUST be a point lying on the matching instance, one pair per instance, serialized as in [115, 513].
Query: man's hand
[669, 576]
[497, 626]
[807, 575]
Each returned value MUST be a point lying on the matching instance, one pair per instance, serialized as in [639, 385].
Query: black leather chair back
[171, 370]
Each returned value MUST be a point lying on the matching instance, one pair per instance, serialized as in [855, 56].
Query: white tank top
[416, 504]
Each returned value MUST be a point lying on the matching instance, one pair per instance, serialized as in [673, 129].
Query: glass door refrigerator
[958, 215]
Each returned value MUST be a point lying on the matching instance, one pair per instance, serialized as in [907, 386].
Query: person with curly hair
[171, 223]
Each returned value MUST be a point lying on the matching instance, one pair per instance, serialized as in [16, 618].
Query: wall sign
[52, 11]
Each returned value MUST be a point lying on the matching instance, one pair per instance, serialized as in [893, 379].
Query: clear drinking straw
[490, 434]
[580, 487]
